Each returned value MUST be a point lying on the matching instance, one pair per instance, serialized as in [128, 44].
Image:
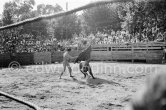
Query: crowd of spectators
[125, 37]
[30, 43]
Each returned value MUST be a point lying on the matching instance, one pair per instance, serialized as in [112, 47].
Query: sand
[113, 88]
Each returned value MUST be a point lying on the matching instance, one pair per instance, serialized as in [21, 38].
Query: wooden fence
[42, 57]
[4, 60]
[34, 58]
[149, 52]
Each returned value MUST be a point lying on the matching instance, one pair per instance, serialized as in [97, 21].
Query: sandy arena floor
[112, 89]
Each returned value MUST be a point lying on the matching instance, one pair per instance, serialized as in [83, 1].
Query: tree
[8, 13]
[41, 28]
[146, 17]
[23, 9]
[43, 9]
[7, 18]
[16, 10]
[67, 26]
[102, 18]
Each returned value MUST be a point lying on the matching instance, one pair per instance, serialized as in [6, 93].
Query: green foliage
[67, 26]
[7, 18]
[16, 10]
[102, 18]
[43, 9]
[8, 13]
[41, 27]
[144, 17]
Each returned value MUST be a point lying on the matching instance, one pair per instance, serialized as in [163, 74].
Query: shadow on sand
[76, 80]
[99, 81]
[93, 82]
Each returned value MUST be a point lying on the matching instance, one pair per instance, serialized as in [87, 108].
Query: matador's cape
[84, 55]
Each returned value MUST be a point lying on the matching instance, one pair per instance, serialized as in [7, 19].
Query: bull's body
[83, 59]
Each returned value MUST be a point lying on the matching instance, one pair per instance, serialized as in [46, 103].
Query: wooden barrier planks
[42, 57]
[121, 55]
[139, 55]
[100, 56]
[21, 58]
[57, 56]
[24, 58]
[4, 60]
[152, 51]
[154, 55]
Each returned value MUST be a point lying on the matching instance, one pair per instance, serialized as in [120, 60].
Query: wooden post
[146, 51]
[132, 52]
[107, 48]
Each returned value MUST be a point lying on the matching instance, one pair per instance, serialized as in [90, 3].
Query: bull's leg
[90, 72]
[85, 74]
[80, 67]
